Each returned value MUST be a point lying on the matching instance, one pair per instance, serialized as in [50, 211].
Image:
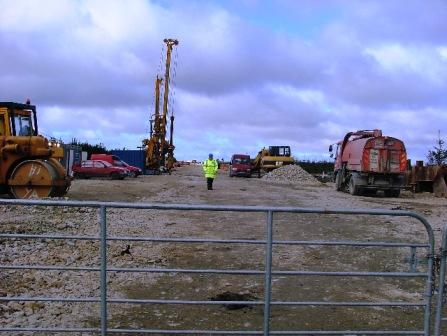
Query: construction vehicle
[367, 160]
[29, 165]
[240, 165]
[271, 158]
[160, 152]
[429, 178]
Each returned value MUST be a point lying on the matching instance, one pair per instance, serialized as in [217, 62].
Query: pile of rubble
[290, 174]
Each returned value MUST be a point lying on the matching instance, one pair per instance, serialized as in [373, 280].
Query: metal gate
[267, 271]
[440, 319]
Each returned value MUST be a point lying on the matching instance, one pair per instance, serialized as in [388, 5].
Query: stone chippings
[290, 174]
[71, 253]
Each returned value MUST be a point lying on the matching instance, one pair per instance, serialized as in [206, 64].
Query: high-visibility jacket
[210, 168]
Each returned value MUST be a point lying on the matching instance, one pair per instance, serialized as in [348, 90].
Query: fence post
[268, 273]
[441, 289]
[103, 276]
[413, 261]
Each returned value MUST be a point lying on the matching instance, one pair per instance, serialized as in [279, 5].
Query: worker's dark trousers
[209, 183]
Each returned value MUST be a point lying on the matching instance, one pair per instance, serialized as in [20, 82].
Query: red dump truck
[367, 160]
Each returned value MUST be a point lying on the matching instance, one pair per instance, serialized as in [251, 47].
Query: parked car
[98, 168]
[240, 165]
[116, 161]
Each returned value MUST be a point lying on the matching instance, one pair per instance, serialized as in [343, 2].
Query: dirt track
[186, 185]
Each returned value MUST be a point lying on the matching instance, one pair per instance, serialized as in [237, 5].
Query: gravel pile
[290, 174]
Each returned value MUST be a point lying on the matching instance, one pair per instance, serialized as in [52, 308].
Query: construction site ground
[187, 185]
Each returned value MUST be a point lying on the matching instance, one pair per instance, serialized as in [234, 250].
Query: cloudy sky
[247, 73]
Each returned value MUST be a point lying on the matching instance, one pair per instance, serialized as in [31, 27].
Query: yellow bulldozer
[29, 166]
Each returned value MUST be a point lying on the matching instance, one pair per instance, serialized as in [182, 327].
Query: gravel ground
[186, 185]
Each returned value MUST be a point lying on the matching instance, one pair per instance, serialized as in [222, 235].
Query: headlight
[234, 169]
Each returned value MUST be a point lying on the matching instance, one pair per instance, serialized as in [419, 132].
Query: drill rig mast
[159, 152]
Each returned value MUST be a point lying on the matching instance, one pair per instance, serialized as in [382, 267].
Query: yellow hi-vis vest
[210, 168]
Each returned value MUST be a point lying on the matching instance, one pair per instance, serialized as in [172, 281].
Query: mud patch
[230, 296]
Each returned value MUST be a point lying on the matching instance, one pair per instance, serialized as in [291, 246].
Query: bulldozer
[29, 165]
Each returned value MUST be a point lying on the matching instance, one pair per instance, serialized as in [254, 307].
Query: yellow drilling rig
[159, 151]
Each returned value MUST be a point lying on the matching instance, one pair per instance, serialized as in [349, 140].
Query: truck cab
[240, 165]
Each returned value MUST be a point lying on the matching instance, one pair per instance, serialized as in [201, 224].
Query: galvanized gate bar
[440, 305]
[103, 277]
[220, 241]
[204, 207]
[210, 303]
[267, 272]
[211, 332]
[223, 271]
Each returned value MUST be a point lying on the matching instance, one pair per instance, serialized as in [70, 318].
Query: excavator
[29, 163]
[160, 152]
[271, 158]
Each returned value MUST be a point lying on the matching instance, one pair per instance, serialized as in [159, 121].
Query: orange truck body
[367, 160]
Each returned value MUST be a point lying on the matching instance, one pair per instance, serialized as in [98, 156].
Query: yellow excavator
[160, 152]
[271, 158]
[29, 165]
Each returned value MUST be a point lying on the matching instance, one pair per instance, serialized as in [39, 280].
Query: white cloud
[90, 65]
[119, 20]
[443, 51]
[32, 16]
[396, 58]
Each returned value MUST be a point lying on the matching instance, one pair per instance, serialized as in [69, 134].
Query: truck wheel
[114, 176]
[392, 193]
[353, 188]
[337, 182]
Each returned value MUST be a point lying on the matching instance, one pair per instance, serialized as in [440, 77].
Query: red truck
[117, 162]
[240, 165]
[367, 160]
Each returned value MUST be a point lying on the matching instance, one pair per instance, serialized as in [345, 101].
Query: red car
[98, 168]
[117, 162]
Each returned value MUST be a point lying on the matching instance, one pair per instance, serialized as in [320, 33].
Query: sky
[246, 74]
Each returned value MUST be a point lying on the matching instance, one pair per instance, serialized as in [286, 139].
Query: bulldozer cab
[17, 119]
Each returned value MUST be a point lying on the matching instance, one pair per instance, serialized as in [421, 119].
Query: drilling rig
[159, 151]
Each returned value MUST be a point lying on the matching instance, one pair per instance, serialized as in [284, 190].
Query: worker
[210, 170]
